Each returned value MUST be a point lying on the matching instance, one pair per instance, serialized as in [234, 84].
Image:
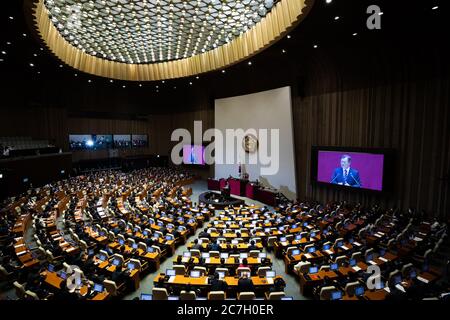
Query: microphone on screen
[357, 183]
[334, 178]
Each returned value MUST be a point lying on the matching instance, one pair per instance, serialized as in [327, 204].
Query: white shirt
[298, 266]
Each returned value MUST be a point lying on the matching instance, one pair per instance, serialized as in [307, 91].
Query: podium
[213, 184]
[237, 186]
[243, 188]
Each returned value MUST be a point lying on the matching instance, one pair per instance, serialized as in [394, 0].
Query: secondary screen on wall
[122, 141]
[351, 169]
[139, 140]
[268, 110]
[193, 154]
[90, 141]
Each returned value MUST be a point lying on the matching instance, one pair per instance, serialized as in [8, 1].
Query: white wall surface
[263, 110]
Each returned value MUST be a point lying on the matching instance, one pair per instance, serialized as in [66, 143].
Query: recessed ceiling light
[380, 14]
[61, 66]
[197, 77]
[89, 80]
[35, 54]
[76, 75]
[249, 63]
[315, 46]
[11, 18]
[1, 60]
[283, 51]
[163, 81]
[329, 1]
[38, 72]
[288, 36]
[8, 43]
[124, 86]
[140, 84]
[435, 7]
[31, 65]
[190, 83]
[337, 18]
[111, 80]
[173, 87]
[3, 52]
[223, 71]
[24, 34]
[355, 34]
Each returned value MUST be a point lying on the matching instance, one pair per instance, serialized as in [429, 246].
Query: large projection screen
[263, 110]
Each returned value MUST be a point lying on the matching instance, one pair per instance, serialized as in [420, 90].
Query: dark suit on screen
[352, 177]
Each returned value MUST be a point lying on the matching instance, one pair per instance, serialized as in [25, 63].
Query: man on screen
[345, 175]
[193, 159]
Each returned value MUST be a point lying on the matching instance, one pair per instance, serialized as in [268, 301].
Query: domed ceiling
[145, 40]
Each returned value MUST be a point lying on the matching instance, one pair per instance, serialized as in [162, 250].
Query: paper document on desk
[329, 251]
[357, 244]
[373, 263]
[344, 247]
[378, 235]
[422, 279]
[417, 239]
[207, 260]
[356, 268]
[270, 280]
[308, 256]
[383, 259]
[171, 279]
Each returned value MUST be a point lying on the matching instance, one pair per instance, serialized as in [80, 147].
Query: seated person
[149, 242]
[196, 245]
[279, 285]
[218, 285]
[303, 261]
[252, 246]
[244, 263]
[204, 234]
[215, 246]
[245, 284]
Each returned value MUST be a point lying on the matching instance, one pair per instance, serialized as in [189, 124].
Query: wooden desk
[310, 257]
[260, 284]
[316, 279]
[52, 279]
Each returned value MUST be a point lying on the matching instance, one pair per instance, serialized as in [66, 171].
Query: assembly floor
[292, 287]
[146, 284]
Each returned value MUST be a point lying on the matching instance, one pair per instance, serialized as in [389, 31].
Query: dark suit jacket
[353, 178]
[218, 285]
[245, 285]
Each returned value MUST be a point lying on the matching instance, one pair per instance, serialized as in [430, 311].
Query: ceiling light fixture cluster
[148, 31]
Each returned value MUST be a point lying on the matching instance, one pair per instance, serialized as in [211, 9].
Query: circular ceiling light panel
[144, 40]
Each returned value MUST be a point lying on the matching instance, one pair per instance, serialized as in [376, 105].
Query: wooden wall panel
[39, 123]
